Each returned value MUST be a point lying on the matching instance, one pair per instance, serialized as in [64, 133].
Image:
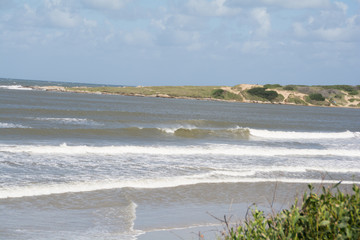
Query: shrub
[296, 100]
[261, 92]
[353, 92]
[222, 94]
[316, 97]
[339, 96]
[346, 88]
[279, 98]
[289, 88]
[272, 86]
[324, 216]
[218, 93]
[304, 89]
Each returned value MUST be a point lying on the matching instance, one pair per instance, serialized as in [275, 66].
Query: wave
[151, 132]
[15, 87]
[75, 187]
[239, 133]
[11, 125]
[302, 135]
[204, 123]
[211, 149]
[72, 121]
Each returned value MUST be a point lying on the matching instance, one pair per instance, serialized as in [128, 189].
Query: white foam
[168, 130]
[48, 189]
[252, 170]
[172, 130]
[302, 135]
[132, 209]
[11, 125]
[214, 149]
[235, 173]
[74, 121]
[15, 87]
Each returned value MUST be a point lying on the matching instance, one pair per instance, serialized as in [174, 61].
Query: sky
[181, 42]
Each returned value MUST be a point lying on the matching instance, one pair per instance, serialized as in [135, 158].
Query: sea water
[88, 166]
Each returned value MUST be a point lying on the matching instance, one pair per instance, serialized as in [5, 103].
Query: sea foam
[11, 125]
[74, 187]
[302, 135]
[72, 121]
[211, 149]
[15, 87]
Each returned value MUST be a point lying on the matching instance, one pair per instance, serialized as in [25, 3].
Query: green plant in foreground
[324, 216]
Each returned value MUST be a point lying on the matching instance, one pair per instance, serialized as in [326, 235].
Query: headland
[326, 96]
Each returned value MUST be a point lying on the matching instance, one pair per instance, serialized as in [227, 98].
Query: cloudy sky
[181, 42]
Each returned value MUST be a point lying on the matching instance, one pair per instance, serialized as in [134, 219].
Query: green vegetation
[289, 88]
[295, 100]
[354, 99]
[334, 95]
[222, 94]
[262, 93]
[324, 216]
[347, 88]
[279, 98]
[272, 86]
[316, 97]
[171, 91]
[218, 93]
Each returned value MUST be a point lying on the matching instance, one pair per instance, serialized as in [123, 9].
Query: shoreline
[85, 90]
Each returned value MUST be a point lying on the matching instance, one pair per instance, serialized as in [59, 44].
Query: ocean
[90, 166]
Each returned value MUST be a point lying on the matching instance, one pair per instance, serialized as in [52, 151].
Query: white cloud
[212, 8]
[342, 6]
[346, 30]
[107, 4]
[299, 30]
[332, 34]
[63, 18]
[189, 40]
[90, 23]
[138, 38]
[282, 3]
[254, 47]
[263, 19]
[178, 21]
[298, 3]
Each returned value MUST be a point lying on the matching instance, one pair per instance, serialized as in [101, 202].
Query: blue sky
[187, 42]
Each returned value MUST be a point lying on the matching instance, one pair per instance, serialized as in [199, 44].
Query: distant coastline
[325, 96]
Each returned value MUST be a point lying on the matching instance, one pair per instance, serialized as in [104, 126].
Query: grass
[317, 103]
[320, 216]
[172, 91]
[225, 95]
[295, 100]
[336, 95]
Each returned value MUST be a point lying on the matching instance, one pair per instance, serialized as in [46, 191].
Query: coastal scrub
[320, 216]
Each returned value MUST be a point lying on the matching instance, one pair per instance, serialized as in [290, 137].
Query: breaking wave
[168, 182]
[15, 87]
[11, 125]
[212, 149]
[72, 121]
[302, 135]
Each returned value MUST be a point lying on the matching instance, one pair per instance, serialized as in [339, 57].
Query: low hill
[331, 95]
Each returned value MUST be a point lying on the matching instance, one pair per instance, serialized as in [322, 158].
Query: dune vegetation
[319, 216]
[332, 95]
